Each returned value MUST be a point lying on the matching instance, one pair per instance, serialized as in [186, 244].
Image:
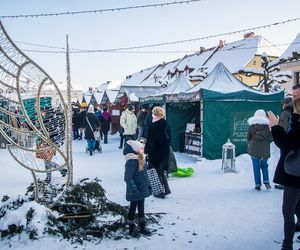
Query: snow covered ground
[211, 210]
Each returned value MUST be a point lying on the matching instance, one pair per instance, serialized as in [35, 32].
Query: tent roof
[221, 80]
[180, 84]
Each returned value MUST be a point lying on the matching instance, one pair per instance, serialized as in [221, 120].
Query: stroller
[98, 146]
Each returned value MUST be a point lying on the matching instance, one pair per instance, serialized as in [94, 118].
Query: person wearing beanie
[158, 147]
[91, 125]
[128, 122]
[259, 139]
[137, 186]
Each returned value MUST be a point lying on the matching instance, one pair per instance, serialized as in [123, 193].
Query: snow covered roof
[111, 95]
[235, 56]
[180, 84]
[294, 47]
[221, 80]
[136, 78]
[98, 96]
[238, 54]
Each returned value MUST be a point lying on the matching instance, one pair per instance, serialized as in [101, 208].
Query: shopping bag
[292, 163]
[155, 184]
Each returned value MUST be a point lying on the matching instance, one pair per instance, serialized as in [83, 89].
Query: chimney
[249, 34]
[221, 44]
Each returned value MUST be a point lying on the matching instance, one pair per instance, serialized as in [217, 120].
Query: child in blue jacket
[137, 185]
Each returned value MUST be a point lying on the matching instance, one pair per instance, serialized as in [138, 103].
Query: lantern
[228, 157]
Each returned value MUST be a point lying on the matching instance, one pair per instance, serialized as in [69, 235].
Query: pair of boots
[134, 232]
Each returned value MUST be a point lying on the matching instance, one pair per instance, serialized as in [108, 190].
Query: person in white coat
[128, 121]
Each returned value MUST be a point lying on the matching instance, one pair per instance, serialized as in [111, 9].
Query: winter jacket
[285, 117]
[158, 145]
[147, 123]
[259, 138]
[76, 119]
[105, 121]
[286, 142]
[82, 115]
[137, 183]
[129, 122]
[89, 130]
[140, 118]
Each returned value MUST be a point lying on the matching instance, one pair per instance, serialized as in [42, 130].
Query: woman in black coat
[158, 146]
[91, 125]
[287, 141]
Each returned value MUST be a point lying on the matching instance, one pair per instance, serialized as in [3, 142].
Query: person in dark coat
[158, 146]
[91, 125]
[140, 121]
[105, 123]
[287, 141]
[82, 115]
[285, 121]
[259, 139]
[137, 185]
[147, 121]
[76, 123]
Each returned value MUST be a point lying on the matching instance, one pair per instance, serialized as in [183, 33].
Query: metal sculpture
[37, 130]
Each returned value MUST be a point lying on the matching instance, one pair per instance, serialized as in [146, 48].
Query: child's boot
[142, 225]
[132, 229]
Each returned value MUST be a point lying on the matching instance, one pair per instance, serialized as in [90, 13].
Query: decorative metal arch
[38, 133]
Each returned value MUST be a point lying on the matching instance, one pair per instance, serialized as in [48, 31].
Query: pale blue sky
[137, 27]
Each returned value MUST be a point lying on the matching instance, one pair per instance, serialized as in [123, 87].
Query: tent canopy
[227, 105]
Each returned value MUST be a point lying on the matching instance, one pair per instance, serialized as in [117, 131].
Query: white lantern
[228, 157]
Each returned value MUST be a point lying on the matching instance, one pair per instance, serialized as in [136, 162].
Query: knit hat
[91, 109]
[136, 145]
[259, 117]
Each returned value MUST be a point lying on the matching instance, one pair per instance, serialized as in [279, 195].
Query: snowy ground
[210, 210]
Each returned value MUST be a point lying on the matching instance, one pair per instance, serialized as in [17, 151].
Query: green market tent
[224, 105]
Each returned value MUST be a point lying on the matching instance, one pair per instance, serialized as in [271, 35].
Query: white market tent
[180, 84]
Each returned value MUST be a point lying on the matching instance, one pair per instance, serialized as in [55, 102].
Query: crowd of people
[146, 138]
[91, 124]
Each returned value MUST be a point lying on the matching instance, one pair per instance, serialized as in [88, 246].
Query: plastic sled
[183, 172]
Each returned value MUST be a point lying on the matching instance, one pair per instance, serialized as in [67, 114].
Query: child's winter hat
[136, 145]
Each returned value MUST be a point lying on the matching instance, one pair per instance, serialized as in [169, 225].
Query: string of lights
[99, 11]
[150, 52]
[163, 43]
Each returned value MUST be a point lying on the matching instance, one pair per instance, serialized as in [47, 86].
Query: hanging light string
[118, 50]
[100, 11]
[150, 52]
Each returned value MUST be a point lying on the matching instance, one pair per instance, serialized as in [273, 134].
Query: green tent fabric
[225, 117]
[178, 115]
[29, 105]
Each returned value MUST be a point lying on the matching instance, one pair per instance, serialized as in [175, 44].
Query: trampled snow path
[210, 210]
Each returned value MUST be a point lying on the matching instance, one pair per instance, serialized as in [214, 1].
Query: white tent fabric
[179, 85]
[221, 80]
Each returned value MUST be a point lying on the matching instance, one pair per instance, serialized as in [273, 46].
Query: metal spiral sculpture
[37, 130]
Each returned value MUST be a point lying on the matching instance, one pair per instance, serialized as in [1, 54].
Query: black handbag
[292, 163]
